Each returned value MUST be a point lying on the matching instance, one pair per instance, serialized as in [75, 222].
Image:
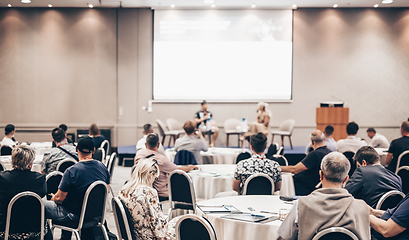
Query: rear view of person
[96, 135]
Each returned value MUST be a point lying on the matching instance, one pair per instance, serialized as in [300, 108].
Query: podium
[338, 117]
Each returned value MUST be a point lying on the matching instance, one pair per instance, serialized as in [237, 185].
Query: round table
[6, 161]
[228, 229]
[212, 179]
[213, 155]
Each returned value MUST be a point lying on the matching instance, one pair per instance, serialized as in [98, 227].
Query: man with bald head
[307, 171]
[398, 146]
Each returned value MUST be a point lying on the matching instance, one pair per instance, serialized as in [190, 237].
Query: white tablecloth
[6, 161]
[383, 152]
[41, 147]
[213, 155]
[227, 229]
[213, 178]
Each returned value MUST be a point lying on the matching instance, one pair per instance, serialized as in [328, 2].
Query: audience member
[18, 180]
[143, 202]
[66, 204]
[377, 140]
[65, 129]
[96, 135]
[329, 141]
[371, 180]
[202, 116]
[329, 206]
[307, 171]
[64, 150]
[258, 163]
[351, 143]
[263, 121]
[147, 128]
[9, 140]
[192, 142]
[398, 146]
[165, 166]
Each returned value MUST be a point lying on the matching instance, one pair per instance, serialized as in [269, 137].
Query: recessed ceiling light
[294, 5]
[213, 6]
[387, 1]
[335, 5]
[9, 5]
[49, 5]
[209, 1]
[172, 6]
[26, 1]
[90, 5]
[376, 5]
[253, 5]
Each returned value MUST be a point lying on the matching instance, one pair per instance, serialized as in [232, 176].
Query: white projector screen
[222, 55]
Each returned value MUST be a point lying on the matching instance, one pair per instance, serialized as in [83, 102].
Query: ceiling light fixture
[213, 6]
[49, 5]
[90, 5]
[294, 5]
[26, 1]
[387, 1]
[376, 5]
[335, 5]
[209, 1]
[9, 5]
[253, 5]
[172, 6]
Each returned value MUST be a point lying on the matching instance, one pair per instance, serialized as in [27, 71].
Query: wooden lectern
[338, 117]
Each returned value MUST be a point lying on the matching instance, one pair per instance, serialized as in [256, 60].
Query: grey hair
[335, 167]
[317, 138]
[22, 157]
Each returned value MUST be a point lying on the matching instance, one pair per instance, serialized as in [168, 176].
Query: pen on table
[268, 212]
[255, 215]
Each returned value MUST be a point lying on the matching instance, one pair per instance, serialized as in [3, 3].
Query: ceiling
[199, 4]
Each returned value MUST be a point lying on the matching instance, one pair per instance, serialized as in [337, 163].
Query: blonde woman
[143, 203]
[263, 120]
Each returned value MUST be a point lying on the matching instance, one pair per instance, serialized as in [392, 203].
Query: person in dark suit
[371, 180]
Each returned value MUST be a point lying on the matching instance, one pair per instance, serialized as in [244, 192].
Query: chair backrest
[184, 157]
[161, 126]
[403, 173]
[105, 146]
[25, 213]
[258, 184]
[5, 150]
[243, 156]
[403, 160]
[194, 227]
[123, 220]
[99, 154]
[350, 155]
[282, 161]
[231, 124]
[338, 233]
[2, 167]
[390, 200]
[287, 125]
[272, 149]
[64, 164]
[111, 163]
[93, 206]
[53, 180]
[174, 124]
[181, 191]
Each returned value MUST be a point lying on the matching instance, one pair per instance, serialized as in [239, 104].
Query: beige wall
[80, 66]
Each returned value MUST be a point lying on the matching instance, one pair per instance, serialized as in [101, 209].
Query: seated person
[165, 166]
[307, 171]
[147, 128]
[96, 135]
[329, 141]
[64, 150]
[351, 143]
[377, 140]
[397, 147]
[329, 206]
[371, 180]
[9, 140]
[66, 204]
[65, 129]
[258, 163]
[201, 118]
[18, 180]
[263, 121]
[143, 203]
[192, 142]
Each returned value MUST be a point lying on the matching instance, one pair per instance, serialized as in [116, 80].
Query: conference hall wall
[80, 66]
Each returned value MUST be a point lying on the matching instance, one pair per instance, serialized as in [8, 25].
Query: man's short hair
[371, 129]
[9, 128]
[203, 103]
[318, 138]
[152, 140]
[189, 127]
[58, 134]
[329, 130]
[335, 167]
[94, 130]
[352, 128]
[367, 153]
[63, 127]
[405, 126]
[258, 142]
[22, 157]
[147, 128]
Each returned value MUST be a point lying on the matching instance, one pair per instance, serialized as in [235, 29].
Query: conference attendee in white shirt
[377, 140]
[329, 141]
[147, 128]
[193, 141]
[351, 143]
[8, 140]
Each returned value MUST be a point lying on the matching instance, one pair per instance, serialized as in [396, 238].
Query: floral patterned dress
[148, 219]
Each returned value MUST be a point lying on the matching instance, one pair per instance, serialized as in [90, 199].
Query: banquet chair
[164, 132]
[403, 173]
[53, 180]
[285, 130]
[181, 192]
[175, 125]
[92, 212]
[184, 157]
[65, 164]
[5, 150]
[99, 154]
[25, 214]
[2, 167]
[258, 184]
[350, 155]
[105, 146]
[272, 150]
[110, 166]
[231, 128]
[389, 200]
[243, 156]
[123, 220]
[338, 233]
[194, 227]
[281, 160]
[403, 160]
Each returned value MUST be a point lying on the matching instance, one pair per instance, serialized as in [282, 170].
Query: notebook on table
[218, 208]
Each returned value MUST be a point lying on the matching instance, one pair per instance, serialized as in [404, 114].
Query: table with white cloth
[383, 152]
[6, 161]
[213, 155]
[228, 229]
[214, 178]
[41, 147]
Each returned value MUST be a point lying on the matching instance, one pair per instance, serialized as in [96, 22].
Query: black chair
[105, 146]
[99, 154]
[64, 164]
[184, 157]
[403, 160]
[53, 180]
[403, 173]
[5, 150]
[181, 192]
[272, 150]
[243, 156]
[335, 233]
[25, 214]
[2, 167]
[389, 200]
[258, 184]
[350, 155]
[281, 160]
[110, 167]
[194, 227]
[123, 220]
[92, 212]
